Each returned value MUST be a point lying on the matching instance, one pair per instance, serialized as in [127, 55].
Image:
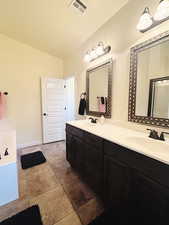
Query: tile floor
[62, 196]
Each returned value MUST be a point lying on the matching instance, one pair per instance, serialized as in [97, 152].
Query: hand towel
[82, 106]
[2, 106]
[102, 105]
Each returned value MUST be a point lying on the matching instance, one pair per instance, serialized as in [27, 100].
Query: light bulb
[93, 54]
[145, 20]
[162, 10]
[100, 49]
[87, 57]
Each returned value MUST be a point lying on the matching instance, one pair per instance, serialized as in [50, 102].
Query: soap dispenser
[102, 119]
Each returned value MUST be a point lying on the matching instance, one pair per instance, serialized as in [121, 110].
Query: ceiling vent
[77, 4]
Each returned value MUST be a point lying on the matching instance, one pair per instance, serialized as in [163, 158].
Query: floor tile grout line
[71, 202]
[68, 197]
[39, 196]
[76, 210]
[58, 180]
[64, 217]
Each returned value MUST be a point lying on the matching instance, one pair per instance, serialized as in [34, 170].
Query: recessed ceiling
[52, 25]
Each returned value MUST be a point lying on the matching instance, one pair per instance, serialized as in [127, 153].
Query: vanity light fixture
[93, 54]
[97, 52]
[147, 21]
[100, 49]
[162, 11]
[87, 57]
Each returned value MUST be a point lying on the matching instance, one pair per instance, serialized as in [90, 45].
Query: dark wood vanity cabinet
[149, 201]
[134, 186]
[84, 151]
[94, 168]
[75, 153]
[116, 184]
[70, 152]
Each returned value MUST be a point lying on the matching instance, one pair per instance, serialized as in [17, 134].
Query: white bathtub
[7, 142]
[8, 165]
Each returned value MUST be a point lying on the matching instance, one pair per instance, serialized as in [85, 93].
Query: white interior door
[70, 98]
[53, 109]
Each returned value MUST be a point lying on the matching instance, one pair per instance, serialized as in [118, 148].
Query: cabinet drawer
[93, 140]
[74, 131]
[148, 166]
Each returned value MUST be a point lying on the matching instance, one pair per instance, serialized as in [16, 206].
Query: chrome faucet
[154, 135]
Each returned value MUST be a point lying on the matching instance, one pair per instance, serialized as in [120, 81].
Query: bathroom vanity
[125, 168]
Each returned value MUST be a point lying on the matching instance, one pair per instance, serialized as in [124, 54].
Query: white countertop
[129, 138]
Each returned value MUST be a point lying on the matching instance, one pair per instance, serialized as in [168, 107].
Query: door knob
[45, 114]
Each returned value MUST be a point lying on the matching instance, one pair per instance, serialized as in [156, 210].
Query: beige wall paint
[61, 28]
[120, 32]
[21, 67]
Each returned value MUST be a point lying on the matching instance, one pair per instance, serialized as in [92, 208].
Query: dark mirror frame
[109, 64]
[152, 93]
[162, 122]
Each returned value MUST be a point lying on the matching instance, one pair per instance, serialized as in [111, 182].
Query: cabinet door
[75, 152]
[116, 185]
[149, 201]
[94, 168]
[80, 156]
[70, 149]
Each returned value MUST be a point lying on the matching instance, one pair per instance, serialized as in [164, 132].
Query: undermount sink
[151, 145]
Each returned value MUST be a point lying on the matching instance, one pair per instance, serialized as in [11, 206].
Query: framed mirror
[158, 104]
[149, 82]
[99, 90]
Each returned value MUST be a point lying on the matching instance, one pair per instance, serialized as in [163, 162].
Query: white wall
[119, 32]
[21, 67]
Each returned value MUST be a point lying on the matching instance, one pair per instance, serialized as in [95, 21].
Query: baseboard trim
[29, 144]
